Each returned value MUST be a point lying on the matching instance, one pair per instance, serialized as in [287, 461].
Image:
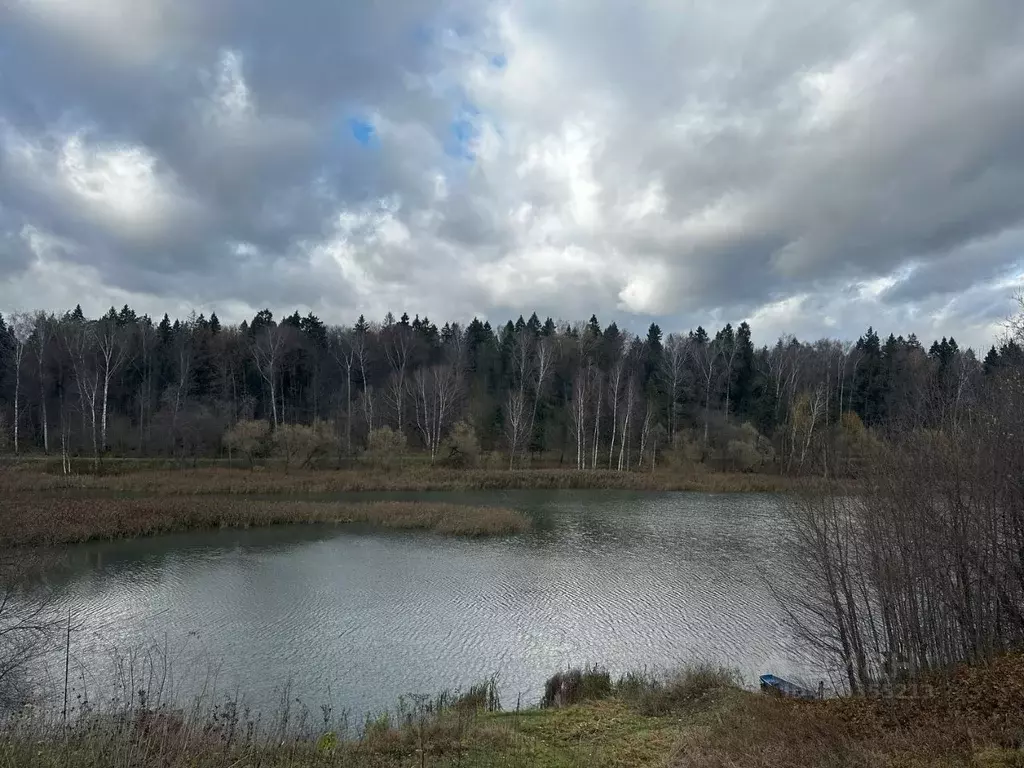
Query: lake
[357, 619]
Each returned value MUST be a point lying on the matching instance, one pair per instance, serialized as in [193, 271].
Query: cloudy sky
[810, 165]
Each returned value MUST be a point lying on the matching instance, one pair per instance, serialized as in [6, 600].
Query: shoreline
[34, 520]
[971, 717]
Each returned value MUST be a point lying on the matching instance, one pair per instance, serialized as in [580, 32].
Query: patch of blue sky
[362, 130]
[462, 132]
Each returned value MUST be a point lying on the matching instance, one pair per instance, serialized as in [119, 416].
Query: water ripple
[627, 580]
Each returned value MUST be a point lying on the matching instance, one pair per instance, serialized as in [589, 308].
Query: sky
[811, 166]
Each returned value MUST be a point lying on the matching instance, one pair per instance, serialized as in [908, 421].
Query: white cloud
[122, 187]
[815, 166]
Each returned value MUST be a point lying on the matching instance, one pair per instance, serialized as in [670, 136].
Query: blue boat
[779, 687]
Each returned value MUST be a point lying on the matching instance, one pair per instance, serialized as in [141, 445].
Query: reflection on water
[625, 579]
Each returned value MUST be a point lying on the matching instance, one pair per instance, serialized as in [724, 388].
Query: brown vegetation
[696, 717]
[40, 520]
[410, 478]
[922, 570]
[973, 717]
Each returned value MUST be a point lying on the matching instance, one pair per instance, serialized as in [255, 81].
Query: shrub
[746, 449]
[298, 444]
[654, 696]
[385, 447]
[575, 685]
[249, 438]
[687, 448]
[462, 449]
[854, 442]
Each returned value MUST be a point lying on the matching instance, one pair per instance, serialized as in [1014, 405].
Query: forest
[573, 394]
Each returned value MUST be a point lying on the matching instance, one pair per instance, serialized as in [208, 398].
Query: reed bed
[202, 481]
[28, 520]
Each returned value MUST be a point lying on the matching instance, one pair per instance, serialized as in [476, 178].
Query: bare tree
[184, 351]
[22, 325]
[597, 388]
[706, 356]
[113, 351]
[645, 432]
[728, 354]
[267, 348]
[924, 567]
[515, 423]
[360, 349]
[143, 364]
[804, 418]
[41, 342]
[398, 344]
[515, 405]
[841, 366]
[28, 626]
[578, 413]
[435, 391]
[78, 337]
[673, 373]
[614, 392]
[627, 415]
[342, 345]
[542, 362]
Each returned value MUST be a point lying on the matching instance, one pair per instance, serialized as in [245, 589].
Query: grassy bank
[41, 520]
[413, 478]
[695, 718]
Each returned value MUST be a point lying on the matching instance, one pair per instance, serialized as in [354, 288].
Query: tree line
[583, 395]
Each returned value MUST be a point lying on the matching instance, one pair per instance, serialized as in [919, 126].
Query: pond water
[357, 619]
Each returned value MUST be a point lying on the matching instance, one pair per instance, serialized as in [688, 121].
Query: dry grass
[973, 718]
[39, 520]
[414, 478]
[703, 721]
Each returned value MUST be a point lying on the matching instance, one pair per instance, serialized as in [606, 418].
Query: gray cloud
[818, 165]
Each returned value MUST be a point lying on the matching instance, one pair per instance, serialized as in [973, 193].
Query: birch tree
[515, 423]
[41, 343]
[706, 356]
[79, 337]
[267, 348]
[516, 401]
[627, 416]
[597, 388]
[361, 351]
[21, 325]
[578, 413]
[113, 350]
[673, 374]
[398, 344]
[614, 393]
[341, 343]
[435, 391]
[542, 362]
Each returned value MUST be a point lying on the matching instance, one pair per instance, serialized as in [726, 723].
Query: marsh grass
[28, 520]
[415, 477]
[651, 694]
[575, 685]
[659, 694]
[147, 732]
